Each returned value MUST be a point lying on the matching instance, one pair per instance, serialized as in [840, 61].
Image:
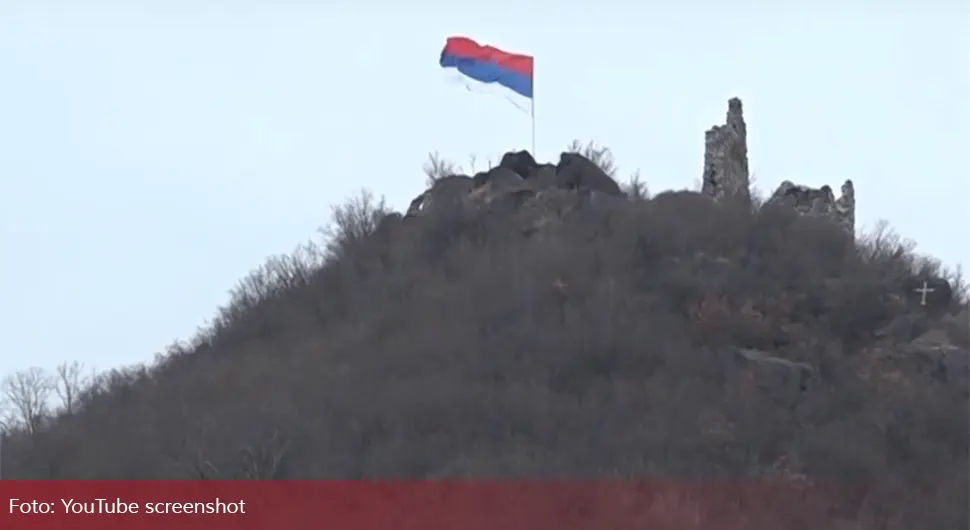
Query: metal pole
[534, 154]
[533, 107]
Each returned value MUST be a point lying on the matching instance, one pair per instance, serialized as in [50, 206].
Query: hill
[537, 320]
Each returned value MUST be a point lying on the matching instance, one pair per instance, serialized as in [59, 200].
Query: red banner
[473, 505]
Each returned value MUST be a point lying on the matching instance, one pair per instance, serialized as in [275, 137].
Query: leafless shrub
[352, 222]
[599, 155]
[437, 167]
[636, 188]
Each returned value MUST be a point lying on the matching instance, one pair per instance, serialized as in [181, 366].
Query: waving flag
[488, 64]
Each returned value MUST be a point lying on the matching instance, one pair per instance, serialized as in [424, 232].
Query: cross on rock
[923, 291]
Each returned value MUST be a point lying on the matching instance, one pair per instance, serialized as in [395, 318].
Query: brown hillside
[534, 320]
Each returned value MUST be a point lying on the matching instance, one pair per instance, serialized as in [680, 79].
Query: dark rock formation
[521, 162]
[785, 380]
[545, 176]
[575, 172]
[495, 180]
[536, 194]
[928, 293]
[446, 191]
[387, 225]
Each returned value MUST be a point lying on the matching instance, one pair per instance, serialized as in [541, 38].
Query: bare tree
[601, 156]
[353, 221]
[636, 188]
[264, 461]
[29, 393]
[8, 416]
[69, 381]
[437, 167]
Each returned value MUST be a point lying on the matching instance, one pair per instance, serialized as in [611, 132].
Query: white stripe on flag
[522, 103]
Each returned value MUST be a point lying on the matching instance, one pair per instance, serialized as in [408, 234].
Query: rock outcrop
[449, 190]
[533, 195]
[521, 162]
[576, 172]
[929, 295]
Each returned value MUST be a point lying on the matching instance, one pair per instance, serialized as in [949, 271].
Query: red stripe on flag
[469, 49]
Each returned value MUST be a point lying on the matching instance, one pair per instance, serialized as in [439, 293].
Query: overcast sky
[152, 154]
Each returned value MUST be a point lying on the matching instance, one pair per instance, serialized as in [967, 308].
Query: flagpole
[532, 107]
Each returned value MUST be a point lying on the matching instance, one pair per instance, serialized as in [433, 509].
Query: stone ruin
[726, 157]
[519, 186]
[726, 175]
[819, 202]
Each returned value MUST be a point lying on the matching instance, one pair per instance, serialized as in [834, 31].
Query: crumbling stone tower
[726, 157]
[726, 175]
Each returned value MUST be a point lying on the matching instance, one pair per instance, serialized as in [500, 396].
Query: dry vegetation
[454, 351]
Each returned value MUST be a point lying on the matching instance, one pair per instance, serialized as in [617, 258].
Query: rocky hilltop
[532, 198]
[537, 320]
[520, 184]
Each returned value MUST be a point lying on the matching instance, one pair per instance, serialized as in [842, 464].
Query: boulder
[575, 171]
[521, 162]
[936, 298]
[493, 183]
[497, 178]
[446, 191]
[417, 205]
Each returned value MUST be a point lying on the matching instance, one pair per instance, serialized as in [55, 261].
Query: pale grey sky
[152, 154]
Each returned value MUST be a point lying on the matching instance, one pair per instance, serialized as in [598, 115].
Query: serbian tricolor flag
[487, 64]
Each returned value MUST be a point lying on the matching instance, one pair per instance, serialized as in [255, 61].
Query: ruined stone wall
[726, 175]
[844, 211]
[819, 202]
